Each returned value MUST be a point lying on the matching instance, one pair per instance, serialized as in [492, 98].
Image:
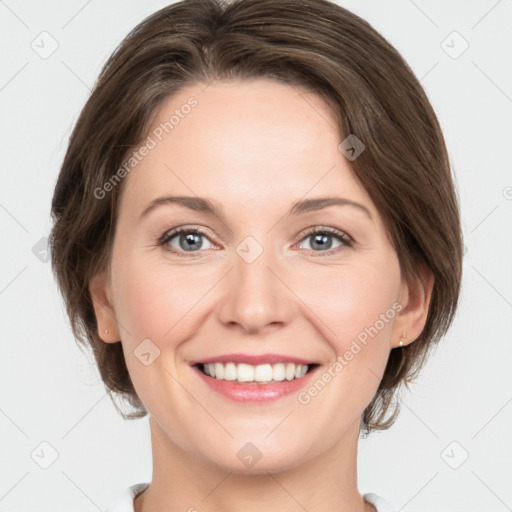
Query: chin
[254, 458]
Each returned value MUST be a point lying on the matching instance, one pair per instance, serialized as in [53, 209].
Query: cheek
[354, 311]
[353, 299]
[155, 301]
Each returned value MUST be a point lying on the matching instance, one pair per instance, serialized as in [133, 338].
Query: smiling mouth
[255, 374]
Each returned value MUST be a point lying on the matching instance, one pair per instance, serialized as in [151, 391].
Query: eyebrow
[209, 207]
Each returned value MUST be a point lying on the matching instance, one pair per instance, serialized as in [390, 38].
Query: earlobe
[103, 309]
[416, 301]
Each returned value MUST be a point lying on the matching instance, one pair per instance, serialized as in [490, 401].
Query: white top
[124, 501]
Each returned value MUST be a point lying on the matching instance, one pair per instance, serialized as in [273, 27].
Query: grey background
[50, 391]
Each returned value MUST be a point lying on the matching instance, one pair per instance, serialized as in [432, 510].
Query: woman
[257, 232]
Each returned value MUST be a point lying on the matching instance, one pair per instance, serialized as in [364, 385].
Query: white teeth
[262, 373]
[279, 371]
[230, 371]
[219, 370]
[290, 371]
[245, 373]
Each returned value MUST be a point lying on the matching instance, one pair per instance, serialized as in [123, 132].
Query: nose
[257, 297]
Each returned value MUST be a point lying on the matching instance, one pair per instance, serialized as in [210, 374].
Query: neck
[184, 482]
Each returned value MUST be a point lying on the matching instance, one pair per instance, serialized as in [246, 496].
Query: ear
[105, 314]
[415, 300]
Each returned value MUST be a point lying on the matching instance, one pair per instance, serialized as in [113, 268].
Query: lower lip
[255, 392]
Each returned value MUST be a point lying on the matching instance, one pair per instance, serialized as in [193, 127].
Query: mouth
[251, 378]
[243, 373]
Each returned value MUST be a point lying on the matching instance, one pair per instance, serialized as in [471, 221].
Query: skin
[255, 148]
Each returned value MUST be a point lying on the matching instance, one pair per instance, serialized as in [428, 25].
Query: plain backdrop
[451, 449]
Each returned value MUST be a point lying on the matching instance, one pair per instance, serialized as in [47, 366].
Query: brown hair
[314, 44]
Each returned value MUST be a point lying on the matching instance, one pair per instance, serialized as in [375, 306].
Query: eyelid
[345, 239]
[323, 229]
[164, 240]
[187, 228]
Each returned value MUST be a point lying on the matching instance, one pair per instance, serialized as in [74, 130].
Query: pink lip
[253, 359]
[256, 393]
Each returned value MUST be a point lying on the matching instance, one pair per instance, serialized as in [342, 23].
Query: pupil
[322, 240]
[192, 238]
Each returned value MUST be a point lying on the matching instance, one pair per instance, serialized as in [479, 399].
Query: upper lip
[253, 359]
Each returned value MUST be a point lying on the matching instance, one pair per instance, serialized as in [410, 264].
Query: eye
[179, 241]
[321, 239]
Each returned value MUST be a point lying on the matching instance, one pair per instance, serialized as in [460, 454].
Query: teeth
[219, 370]
[244, 373]
[290, 371]
[262, 373]
[230, 371]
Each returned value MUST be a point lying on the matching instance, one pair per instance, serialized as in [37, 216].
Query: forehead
[251, 144]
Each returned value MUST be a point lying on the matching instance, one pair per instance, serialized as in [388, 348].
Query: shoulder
[379, 503]
[123, 502]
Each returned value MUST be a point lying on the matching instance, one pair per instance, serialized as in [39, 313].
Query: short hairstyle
[315, 45]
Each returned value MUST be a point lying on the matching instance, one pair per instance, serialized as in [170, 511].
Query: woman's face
[255, 285]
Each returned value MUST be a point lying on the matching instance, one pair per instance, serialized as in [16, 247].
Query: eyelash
[169, 235]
